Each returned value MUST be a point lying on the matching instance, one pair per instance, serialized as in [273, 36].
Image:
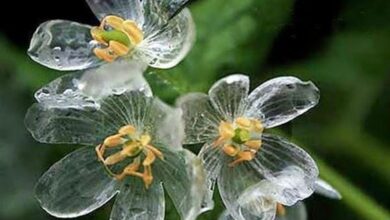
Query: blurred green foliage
[347, 132]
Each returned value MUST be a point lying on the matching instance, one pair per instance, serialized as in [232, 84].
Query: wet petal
[171, 131]
[135, 202]
[233, 183]
[63, 45]
[295, 212]
[85, 89]
[201, 120]
[229, 96]
[166, 47]
[281, 99]
[127, 9]
[269, 215]
[75, 186]
[212, 160]
[91, 125]
[289, 169]
[325, 189]
[182, 175]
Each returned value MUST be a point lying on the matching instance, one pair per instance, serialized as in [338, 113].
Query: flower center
[117, 36]
[240, 139]
[130, 145]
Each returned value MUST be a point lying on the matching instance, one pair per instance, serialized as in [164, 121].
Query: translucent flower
[263, 206]
[133, 151]
[237, 153]
[153, 31]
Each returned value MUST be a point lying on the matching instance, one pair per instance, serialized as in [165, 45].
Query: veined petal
[289, 170]
[166, 47]
[295, 212]
[135, 202]
[91, 126]
[182, 175]
[325, 189]
[200, 118]
[63, 45]
[75, 186]
[281, 99]
[212, 159]
[269, 215]
[171, 131]
[85, 89]
[127, 9]
[229, 96]
[233, 183]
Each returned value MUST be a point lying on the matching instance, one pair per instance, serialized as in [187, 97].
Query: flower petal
[281, 99]
[232, 184]
[295, 212]
[201, 120]
[135, 202]
[325, 189]
[127, 9]
[75, 186]
[166, 47]
[85, 89]
[171, 131]
[269, 215]
[212, 159]
[182, 175]
[229, 96]
[278, 159]
[63, 45]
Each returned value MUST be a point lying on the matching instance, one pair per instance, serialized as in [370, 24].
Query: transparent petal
[75, 186]
[171, 131]
[325, 189]
[135, 202]
[229, 96]
[233, 183]
[212, 160]
[200, 118]
[289, 169]
[281, 99]
[166, 47]
[85, 89]
[90, 125]
[269, 215]
[295, 212]
[182, 175]
[127, 9]
[63, 45]
[225, 215]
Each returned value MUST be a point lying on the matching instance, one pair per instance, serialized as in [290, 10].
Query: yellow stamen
[253, 144]
[243, 156]
[118, 48]
[243, 122]
[113, 21]
[131, 145]
[105, 54]
[230, 150]
[132, 30]
[257, 126]
[226, 130]
[280, 210]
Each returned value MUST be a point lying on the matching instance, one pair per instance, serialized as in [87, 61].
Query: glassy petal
[171, 131]
[75, 186]
[281, 99]
[229, 96]
[127, 9]
[295, 212]
[166, 47]
[233, 183]
[225, 216]
[325, 189]
[63, 45]
[182, 175]
[135, 202]
[200, 118]
[90, 126]
[85, 89]
[289, 169]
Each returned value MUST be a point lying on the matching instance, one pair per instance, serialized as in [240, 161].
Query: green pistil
[241, 136]
[116, 35]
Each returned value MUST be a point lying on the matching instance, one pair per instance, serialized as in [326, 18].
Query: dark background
[342, 46]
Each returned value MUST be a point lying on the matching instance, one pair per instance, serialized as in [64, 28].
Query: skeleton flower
[262, 204]
[134, 150]
[153, 31]
[237, 154]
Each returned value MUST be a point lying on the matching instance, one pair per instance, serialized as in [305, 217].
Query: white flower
[133, 150]
[237, 154]
[152, 31]
[256, 196]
